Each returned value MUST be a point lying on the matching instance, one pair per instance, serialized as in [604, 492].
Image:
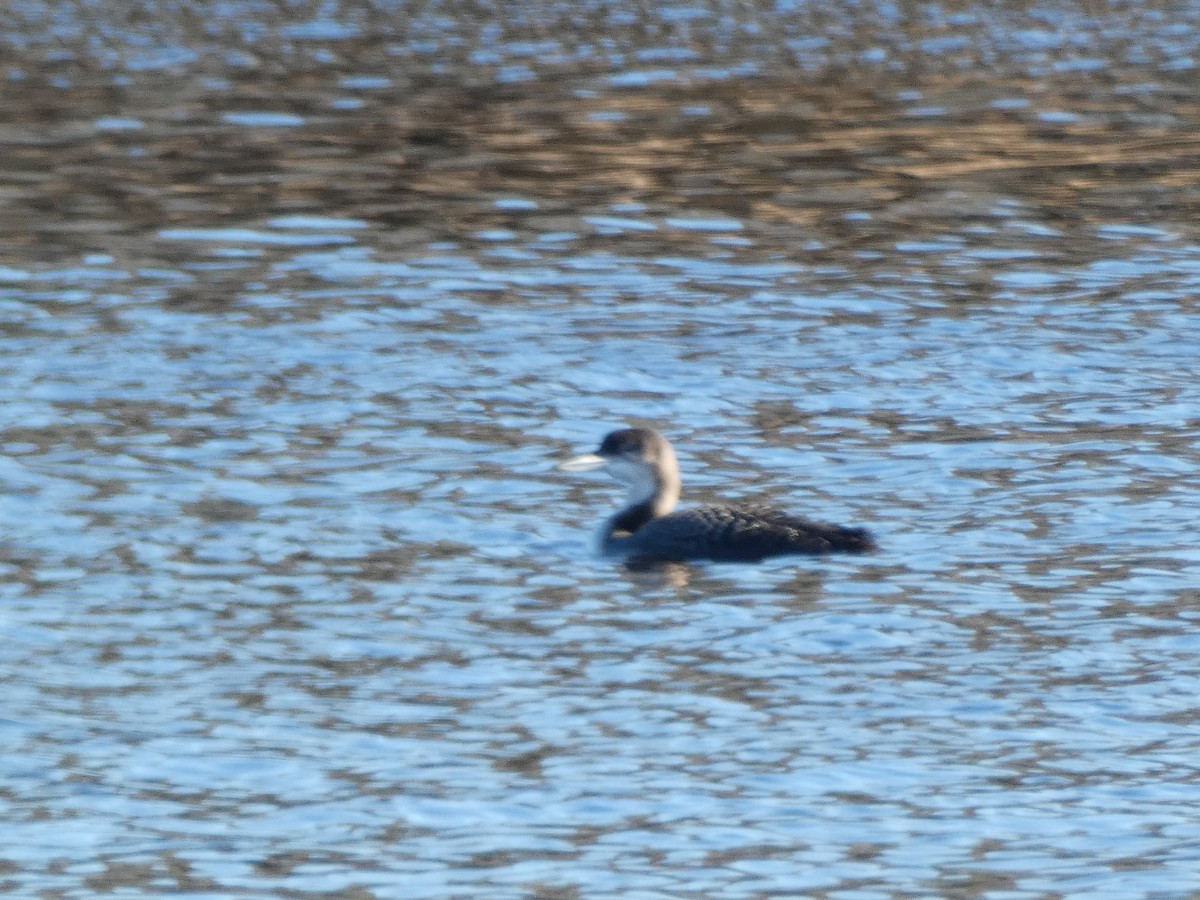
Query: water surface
[296, 321]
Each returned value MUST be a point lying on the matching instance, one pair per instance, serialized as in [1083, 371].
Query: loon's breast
[736, 534]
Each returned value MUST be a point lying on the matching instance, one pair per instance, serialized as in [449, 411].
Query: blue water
[297, 604]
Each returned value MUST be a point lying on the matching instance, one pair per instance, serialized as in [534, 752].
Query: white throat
[645, 485]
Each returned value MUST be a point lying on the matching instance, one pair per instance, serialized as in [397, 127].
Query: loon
[647, 529]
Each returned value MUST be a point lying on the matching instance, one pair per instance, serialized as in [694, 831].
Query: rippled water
[296, 603]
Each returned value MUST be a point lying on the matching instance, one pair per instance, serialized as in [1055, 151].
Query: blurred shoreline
[625, 43]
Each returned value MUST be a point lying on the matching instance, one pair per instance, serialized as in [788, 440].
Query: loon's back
[737, 534]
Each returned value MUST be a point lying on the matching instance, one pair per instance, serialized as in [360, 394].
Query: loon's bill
[585, 463]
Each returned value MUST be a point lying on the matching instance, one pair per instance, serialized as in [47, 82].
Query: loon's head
[639, 458]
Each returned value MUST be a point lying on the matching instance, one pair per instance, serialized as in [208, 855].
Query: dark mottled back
[735, 534]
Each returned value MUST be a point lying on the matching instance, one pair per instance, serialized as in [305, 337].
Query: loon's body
[648, 528]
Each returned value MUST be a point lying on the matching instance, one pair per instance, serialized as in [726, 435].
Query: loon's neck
[651, 495]
[620, 528]
[631, 518]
